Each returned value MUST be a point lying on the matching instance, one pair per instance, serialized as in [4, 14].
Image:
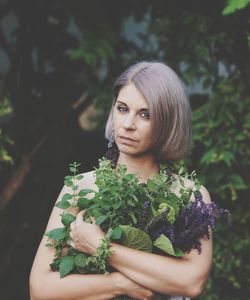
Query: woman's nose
[129, 122]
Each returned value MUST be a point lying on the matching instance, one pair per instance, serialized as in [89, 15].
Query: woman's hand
[131, 288]
[85, 237]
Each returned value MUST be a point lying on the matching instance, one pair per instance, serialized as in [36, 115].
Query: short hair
[168, 104]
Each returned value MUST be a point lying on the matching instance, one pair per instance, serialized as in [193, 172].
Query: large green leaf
[136, 238]
[165, 245]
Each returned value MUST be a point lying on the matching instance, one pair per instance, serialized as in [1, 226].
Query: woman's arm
[186, 276]
[168, 275]
[45, 284]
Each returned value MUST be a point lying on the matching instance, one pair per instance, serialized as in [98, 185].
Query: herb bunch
[155, 217]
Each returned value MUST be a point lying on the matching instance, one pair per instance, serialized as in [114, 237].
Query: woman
[150, 123]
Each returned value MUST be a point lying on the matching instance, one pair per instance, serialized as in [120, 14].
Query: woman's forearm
[73, 287]
[167, 275]
[47, 285]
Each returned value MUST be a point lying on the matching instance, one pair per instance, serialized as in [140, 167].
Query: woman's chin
[131, 151]
[127, 149]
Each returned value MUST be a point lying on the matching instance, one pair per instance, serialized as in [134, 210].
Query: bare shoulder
[205, 194]
[190, 184]
[88, 180]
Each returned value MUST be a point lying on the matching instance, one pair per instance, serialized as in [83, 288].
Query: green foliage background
[206, 42]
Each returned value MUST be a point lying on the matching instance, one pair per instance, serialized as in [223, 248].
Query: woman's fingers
[80, 217]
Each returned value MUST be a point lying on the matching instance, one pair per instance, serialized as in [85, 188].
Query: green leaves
[57, 233]
[101, 219]
[66, 197]
[233, 5]
[136, 238]
[84, 192]
[116, 233]
[67, 219]
[165, 245]
[63, 204]
[80, 260]
[66, 265]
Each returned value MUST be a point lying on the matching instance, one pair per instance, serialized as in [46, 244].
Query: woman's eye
[122, 108]
[144, 114]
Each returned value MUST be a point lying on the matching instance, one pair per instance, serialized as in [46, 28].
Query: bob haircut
[168, 105]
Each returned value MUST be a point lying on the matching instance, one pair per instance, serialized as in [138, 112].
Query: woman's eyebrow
[141, 109]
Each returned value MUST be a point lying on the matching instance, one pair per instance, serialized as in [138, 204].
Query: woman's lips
[127, 140]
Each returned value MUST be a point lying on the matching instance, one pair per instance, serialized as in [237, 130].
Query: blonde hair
[168, 104]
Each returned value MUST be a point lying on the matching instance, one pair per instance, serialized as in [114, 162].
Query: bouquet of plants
[158, 216]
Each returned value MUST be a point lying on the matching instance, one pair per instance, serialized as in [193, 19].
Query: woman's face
[132, 123]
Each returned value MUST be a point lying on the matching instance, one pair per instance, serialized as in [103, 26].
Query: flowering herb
[155, 217]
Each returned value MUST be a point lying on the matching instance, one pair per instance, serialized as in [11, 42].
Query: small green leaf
[66, 265]
[154, 212]
[97, 212]
[101, 219]
[133, 218]
[79, 177]
[63, 204]
[67, 219]
[84, 192]
[68, 182]
[181, 171]
[57, 233]
[151, 185]
[179, 252]
[83, 203]
[80, 260]
[116, 233]
[72, 169]
[66, 197]
[165, 245]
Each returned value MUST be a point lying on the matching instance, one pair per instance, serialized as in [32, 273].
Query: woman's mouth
[127, 140]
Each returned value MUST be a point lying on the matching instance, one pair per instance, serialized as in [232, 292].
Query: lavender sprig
[192, 223]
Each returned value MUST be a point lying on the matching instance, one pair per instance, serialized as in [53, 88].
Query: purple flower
[193, 222]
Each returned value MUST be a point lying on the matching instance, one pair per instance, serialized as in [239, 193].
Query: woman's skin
[139, 273]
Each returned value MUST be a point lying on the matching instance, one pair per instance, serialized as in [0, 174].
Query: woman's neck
[144, 166]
